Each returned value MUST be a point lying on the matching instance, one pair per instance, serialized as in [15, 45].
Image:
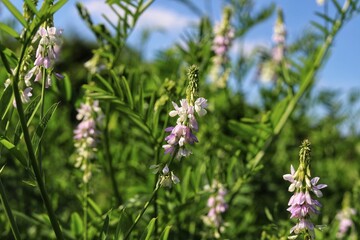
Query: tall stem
[109, 158]
[42, 103]
[31, 152]
[142, 212]
[85, 210]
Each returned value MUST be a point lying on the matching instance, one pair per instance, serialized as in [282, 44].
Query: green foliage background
[243, 145]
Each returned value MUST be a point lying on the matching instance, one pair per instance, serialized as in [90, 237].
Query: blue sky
[342, 71]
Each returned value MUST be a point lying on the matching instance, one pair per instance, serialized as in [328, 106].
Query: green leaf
[31, 183]
[268, 214]
[42, 126]
[5, 101]
[68, 88]
[250, 130]
[185, 181]
[325, 17]
[29, 114]
[57, 6]
[144, 6]
[134, 117]
[8, 57]
[76, 224]
[9, 30]
[15, 12]
[105, 228]
[338, 6]
[165, 234]
[123, 225]
[198, 177]
[279, 110]
[30, 4]
[126, 88]
[13, 150]
[106, 84]
[149, 230]
[2, 168]
[320, 27]
[94, 206]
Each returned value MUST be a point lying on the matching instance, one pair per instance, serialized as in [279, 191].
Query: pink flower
[316, 188]
[24, 95]
[291, 178]
[86, 136]
[46, 54]
[217, 205]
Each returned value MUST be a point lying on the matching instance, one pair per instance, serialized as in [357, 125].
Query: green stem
[109, 158]
[31, 153]
[85, 209]
[8, 212]
[155, 205]
[142, 212]
[42, 103]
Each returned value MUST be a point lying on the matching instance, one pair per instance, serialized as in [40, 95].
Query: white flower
[200, 105]
[291, 178]
[316, 188]
[24, 95]
[168, 178]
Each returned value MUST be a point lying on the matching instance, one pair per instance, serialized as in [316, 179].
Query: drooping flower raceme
[46, 54]
[224, 35]
[86, 136]
[302, 205]
[186, 124]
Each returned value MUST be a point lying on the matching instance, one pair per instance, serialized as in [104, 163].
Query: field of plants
[97, 142]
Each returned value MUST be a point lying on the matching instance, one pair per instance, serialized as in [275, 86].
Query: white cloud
[165, 19]
[96, 8]
[153, 17]
[247, 47]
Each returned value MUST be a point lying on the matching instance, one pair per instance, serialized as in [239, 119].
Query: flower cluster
[302, 205]
[46, 54]
[86, 136]
[217, 205]
[186, 124]
[279, 37]
[344, 217]
[268, 64]
[345, 221]
[95, 64]
[224, 35]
